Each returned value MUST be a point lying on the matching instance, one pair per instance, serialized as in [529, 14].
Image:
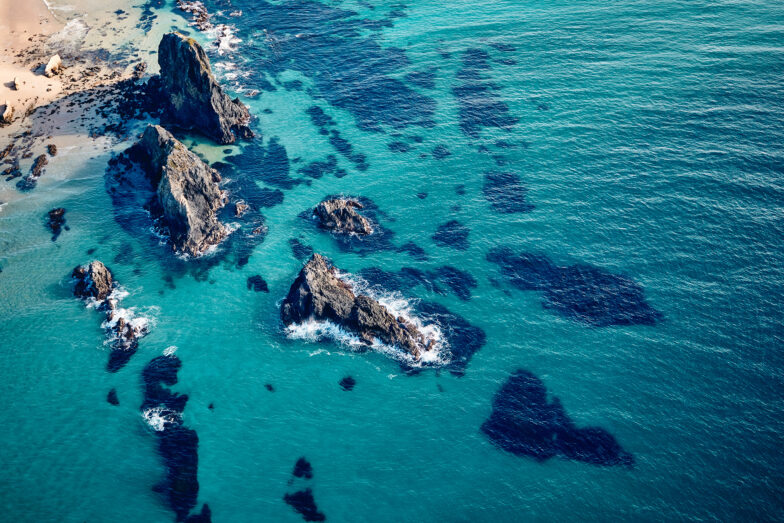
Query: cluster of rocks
[95, 284]
[318, 293]
[201, 17]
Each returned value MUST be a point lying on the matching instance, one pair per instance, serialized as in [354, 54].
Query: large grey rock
[187, 191]
[194, 98]
[319, 294]
[340, 215]
[93, 280]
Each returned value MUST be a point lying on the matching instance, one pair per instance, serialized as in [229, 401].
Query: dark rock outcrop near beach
[340, 215]
[319, 294]
[178, 445]
[187, 191]
[193, 97]
[94, 283]
[526, 423]
[56, 222]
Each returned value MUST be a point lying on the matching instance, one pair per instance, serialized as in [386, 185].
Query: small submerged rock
[257, 284]
[56, 222]
[347, 383]
[112, 397]
[318, 293]
[340, 215]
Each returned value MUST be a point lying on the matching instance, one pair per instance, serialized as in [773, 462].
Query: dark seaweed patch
[257, 283]
[579, 292]
[452, 234]
[464, 339]
[413, 250]
[303, 502]
[479, 106]
[347, 383]
[525, 423]
[440, 152]
[111, 397]
[438, 280]
[398, 147]
[506, 193]
[318, 169]
[294, 85]
[300, 251]
[177, 444]
[303, 469]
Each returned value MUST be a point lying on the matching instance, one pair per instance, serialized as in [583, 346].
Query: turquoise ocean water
[648, 140]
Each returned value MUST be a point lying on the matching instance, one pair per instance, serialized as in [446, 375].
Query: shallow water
[643, 140]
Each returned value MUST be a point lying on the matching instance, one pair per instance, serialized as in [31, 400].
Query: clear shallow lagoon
[650, 139]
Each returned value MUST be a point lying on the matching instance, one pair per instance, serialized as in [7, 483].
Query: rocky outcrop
[54, 66]
[7, 116]
[187, 191]
[94, 283]
[340, 215]
[194, 99]
[318, 293]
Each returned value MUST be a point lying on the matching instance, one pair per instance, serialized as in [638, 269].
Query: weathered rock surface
[187, 191]
[194, 98]
[7, 116]
[17, 84]
[340, 215]
[93, 281]
[318, 293]
[54, 66]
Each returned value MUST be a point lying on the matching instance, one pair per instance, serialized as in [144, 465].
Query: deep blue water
[585, 198]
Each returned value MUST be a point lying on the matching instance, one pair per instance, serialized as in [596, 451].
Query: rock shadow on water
[580, 292]
[525, 423]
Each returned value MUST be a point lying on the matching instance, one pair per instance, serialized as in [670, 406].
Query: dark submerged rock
[257, 283]
[347, 383]
[340, 215]
[187, 192]
[318, 293]
[579, 292]
[452, 234]
[506, 193]
[112, 397]
[56, 222]
[303, 469]
[177, 444]
[194, 98]
[525, 423]
[303, 502]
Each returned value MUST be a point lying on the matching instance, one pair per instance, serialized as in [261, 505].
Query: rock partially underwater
[178, 445]
[187, 192]
[526, 423]
[341, 215]
[193, 97]
[95, 284]
[320, 294]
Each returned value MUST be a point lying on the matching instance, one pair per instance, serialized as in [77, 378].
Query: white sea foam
[316, 330]
[170, 350]
[158, 418]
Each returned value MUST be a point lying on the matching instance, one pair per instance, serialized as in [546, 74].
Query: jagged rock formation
[318, 293]
[187, 191]
[340, 215]
[93, 281]
[194, 99]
